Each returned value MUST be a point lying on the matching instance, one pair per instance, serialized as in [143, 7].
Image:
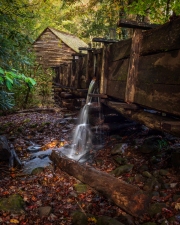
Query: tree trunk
[8, 153]
[128, 197]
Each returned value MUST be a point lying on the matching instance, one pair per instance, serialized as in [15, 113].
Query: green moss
[13, 203]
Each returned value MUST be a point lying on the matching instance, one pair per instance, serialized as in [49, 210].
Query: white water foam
[82, 138]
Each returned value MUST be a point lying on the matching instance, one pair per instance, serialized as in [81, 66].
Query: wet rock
[37, 159]
[80, 188]
[122, 169]
[152, 183]
[42, 156]
[156, 208]
[143, 168]
[164, 172]
[139, 178]
[44, 211]
[105, 220]
[79, 218]
[150, 144]
[37, 170]
[14, 203]
[120, 160]
[61, 121]
[119, 148]
[147, 174]
[34, 148]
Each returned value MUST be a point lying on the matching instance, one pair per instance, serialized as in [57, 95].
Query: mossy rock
[156, 208]
[14, 203]
[79, 218]
[80, 188]
[37, 170]
[147, 174]
[151, 183]
[119, 149]
[122, 169]
[105, 220]
[120, 160]
[150, 144]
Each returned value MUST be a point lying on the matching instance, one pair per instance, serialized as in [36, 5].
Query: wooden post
[103, 82]
[133, 66]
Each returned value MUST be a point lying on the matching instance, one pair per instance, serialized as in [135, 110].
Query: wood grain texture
[128, 197]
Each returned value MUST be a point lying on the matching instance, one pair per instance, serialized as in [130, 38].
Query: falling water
[82, 137]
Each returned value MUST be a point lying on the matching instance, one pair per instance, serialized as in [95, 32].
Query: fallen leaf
[14, 221]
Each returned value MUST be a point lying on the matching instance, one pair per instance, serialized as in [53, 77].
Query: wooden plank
[97, 95]
[118, 70]
[98, 66]
[104, 70]
[133, 66]
[120, 50]
[136, 25]
[153, 121]
[116, 89]
[90, 67]
[104, 40]
[161, 97]
[124, 105]
[162, 39]
[162, 68]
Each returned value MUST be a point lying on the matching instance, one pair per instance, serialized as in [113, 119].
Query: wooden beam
[104, 40]
[97, 95]
[133, 66]
[124, 105]
[136, 25]
[151, 120]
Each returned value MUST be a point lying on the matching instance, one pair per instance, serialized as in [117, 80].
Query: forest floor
[50, 196]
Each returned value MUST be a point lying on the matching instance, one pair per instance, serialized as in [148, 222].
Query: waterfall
[82, 137]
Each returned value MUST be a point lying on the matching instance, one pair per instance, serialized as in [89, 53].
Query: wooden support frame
[97, 95]
[104, 40]
[133, 66]
[136, 25]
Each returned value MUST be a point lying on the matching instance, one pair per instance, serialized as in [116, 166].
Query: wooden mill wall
[51, 51]
[146, 69]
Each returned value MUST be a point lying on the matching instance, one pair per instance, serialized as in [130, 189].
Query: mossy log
[126, 196]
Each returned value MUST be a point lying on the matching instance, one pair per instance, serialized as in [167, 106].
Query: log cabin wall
[51, 51]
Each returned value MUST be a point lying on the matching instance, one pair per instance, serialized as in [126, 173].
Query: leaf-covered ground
[53, 190]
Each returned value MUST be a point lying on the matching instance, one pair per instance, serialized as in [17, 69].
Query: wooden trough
[136, 75]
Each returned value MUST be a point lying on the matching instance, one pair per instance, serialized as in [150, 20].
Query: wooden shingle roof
[69, 39]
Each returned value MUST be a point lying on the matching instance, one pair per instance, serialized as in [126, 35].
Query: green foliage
[6, 100]
[8, 80]
[21, 21]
